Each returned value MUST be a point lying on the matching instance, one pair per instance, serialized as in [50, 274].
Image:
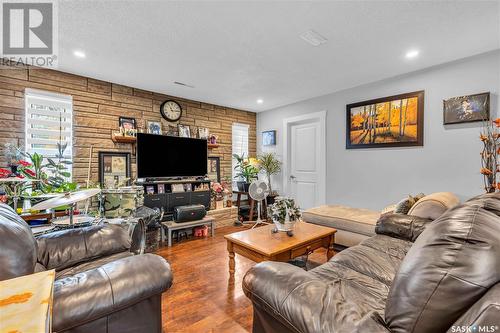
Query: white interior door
[305, 160]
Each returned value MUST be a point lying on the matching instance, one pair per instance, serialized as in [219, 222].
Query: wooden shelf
[123, 139]
[212, 145]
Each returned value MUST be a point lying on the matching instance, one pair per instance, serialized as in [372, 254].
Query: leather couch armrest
[401, 226]
[96, 293]
[269, 284]
[66, 248]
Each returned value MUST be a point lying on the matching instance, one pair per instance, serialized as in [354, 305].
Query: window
[239, 141]
[49, 121]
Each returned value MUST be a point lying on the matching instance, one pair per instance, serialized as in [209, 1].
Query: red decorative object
[4, 173]
[201, 231]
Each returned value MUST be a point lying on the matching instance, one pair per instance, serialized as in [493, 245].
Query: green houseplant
[247, 170]
[270, 165]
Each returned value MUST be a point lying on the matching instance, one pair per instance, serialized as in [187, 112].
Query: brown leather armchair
[414, 276]
[100, 285]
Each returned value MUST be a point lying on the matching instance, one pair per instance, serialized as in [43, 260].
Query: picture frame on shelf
[128, 126]
[184, 131]
[150, 190]
[213, 168]
[128, 123]
[466, 109]
[161, 188]
[114, 169]
[203, 133]
[154, 127]
[269, 138]
[393, 121]
[171, 131]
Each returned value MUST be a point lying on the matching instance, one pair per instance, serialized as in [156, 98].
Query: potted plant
[271, 166]
[284, 213]
[247, 170]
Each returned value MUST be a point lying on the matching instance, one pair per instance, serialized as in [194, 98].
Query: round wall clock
[171, 110]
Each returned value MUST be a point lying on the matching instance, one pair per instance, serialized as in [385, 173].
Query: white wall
[374, 178]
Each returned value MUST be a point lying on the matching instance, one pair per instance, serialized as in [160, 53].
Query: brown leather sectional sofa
[100, 287]
[414, 276]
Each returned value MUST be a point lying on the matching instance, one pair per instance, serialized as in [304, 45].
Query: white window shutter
[49, 120]
[240, 141]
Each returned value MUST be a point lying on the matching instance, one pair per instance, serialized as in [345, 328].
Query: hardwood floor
[202, 298]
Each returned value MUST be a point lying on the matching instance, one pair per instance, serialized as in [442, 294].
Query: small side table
[251, 203]
[171, 226]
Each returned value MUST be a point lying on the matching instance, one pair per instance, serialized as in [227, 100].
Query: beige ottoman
[353, 224]
[356, 224]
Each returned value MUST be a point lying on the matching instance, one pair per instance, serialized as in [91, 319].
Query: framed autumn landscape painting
[394, 121]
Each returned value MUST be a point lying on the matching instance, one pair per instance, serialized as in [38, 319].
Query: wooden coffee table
[260, 244]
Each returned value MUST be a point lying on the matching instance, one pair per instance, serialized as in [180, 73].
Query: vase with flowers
[490, 137]
[247, 170]
[218, 191]
[284, 213]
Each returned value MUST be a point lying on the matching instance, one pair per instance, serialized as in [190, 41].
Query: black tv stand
[166, 193]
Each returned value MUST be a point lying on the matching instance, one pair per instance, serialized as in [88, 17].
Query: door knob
[293, 177]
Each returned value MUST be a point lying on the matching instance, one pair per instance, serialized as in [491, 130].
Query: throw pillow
[403, 206]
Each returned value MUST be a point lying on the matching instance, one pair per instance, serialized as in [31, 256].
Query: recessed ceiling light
[412, 54]
[313, 38]
[79, 54]
[260, 101]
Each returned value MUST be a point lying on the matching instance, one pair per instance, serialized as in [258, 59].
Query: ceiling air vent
[313, 38]
[183, 84]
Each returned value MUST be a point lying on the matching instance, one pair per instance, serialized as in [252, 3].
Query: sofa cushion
[61, 249]
[376, 258]
[434, 205]
[451, 265]
[357, 220]
[93, 264]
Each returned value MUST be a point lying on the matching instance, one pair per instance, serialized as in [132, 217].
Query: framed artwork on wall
[269, 138]
[213, 168]
[114, 169]
[466, 109]
[394, 121]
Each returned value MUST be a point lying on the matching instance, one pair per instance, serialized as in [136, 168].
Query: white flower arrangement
[284, 208]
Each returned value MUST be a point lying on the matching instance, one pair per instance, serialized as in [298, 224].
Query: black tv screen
[170, 156]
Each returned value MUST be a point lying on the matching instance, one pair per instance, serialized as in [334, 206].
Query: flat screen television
[170, 156]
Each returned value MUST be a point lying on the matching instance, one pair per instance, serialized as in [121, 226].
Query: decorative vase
[241, 186]
[246, 186]
[219, 204]
[285, 225]
[14, 170]
[270, 199]
[26, 205]
[212, 204]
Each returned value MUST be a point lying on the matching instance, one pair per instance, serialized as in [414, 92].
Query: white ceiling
[236, 52]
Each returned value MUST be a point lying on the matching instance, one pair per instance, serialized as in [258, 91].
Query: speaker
[189, 213]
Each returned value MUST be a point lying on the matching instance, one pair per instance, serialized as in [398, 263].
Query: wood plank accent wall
[97, 106]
